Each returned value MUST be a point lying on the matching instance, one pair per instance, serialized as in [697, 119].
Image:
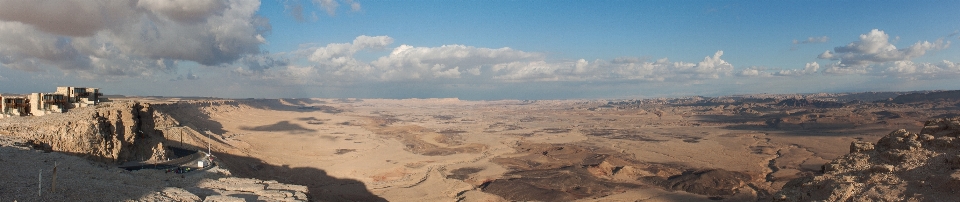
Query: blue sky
[478, 49]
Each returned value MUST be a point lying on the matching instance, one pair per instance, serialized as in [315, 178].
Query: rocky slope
[42, 159]
[36, 175]
[901, 166]
[111, 132]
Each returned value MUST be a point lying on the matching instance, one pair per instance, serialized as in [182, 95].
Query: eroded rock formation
[115, 132]
[901, 166]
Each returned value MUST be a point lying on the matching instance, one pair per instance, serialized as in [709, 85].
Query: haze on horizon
[477, 49]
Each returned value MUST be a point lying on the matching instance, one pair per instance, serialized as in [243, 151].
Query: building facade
[13, 106]
[39, 104]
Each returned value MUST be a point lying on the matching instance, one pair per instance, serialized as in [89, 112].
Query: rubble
[901, 166]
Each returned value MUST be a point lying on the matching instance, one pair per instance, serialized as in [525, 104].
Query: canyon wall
[111, 132]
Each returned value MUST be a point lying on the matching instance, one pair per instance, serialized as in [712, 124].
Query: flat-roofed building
[47, 103]
[80, 96]
[39, 104]
[13, 106]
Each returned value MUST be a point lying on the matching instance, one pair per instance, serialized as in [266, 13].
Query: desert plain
[731, 148]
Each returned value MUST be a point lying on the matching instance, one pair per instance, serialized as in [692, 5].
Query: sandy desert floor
[448, 149]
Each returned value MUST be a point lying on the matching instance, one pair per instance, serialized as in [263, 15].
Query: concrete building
[14, 106]
[39, 104]
[47, 103]
[80, 96]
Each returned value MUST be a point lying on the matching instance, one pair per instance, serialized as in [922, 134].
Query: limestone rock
[110, 132]
[902, 166]
[859, 146]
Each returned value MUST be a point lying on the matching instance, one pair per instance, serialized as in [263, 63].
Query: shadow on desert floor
[774, 124]
[322, 186]
[282, 126]
[291, 105]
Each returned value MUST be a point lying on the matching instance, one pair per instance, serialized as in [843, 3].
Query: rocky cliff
[33, 175]
[111, 132]
[901, 166]
[115, 133]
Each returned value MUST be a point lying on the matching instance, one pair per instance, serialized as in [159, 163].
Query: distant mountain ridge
[927, 96]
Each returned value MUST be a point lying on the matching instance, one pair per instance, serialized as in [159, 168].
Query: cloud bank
[127, 38]
[872, 55]
[336, 63]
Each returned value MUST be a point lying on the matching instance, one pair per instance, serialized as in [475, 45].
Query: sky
[477, 50]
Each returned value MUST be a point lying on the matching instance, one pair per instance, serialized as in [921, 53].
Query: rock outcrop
[901, 166]
[63, 177]
[111, 132]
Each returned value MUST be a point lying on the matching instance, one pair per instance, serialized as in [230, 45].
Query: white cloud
[108, 38]
[809, 68]
[335, 63]
[409, 62]
[875, 47]
[752, 72]
[874, 54]
[618, 69]
[340, 50]
[915, 71]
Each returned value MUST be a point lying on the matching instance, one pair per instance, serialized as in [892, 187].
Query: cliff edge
[901, 166]
[111, 132]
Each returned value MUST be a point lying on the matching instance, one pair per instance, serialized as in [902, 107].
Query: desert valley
[734, 148]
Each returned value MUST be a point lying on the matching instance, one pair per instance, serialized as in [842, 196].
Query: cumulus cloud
[338, 50]
[809, 68]
[69, 18]
[132, 38]
[923, 70]
[335, 63]
[409, 62]
[753, 72]
[822, 39]
[617, 69]
[874, 54]
[875, 47]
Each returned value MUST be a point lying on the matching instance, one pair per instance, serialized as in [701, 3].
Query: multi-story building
[13, 106]
[39, 104]
[80, 96]
[47, 103]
